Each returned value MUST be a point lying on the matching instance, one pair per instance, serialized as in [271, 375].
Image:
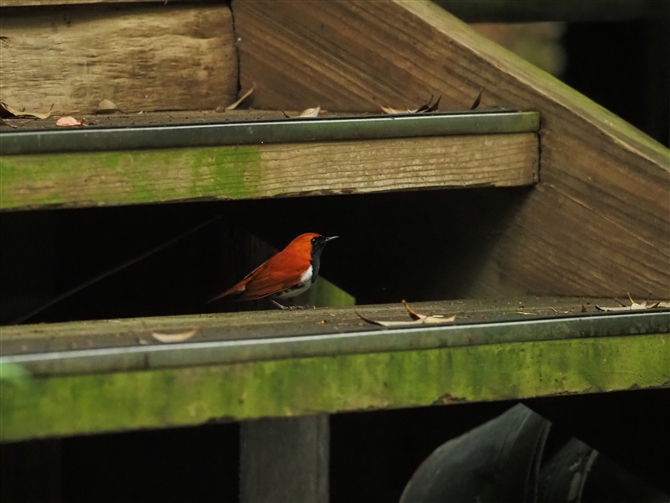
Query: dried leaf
[417, 319]
[2, 121]
[583, 308]
[477, 101]
[388, 323]
[433, 107]
[425, 106]
[15, 112]
[634, 306]
[69, 121]
[662, 304]
[310, 112]
[169, 338]
[389, 110]
[106, 107]
[233, 106]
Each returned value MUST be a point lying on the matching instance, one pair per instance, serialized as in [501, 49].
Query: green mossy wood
[270, 170]
[99, 403]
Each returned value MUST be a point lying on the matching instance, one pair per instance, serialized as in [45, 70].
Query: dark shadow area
[625, 67]
[374, 454]
[411, 245]
[176, 465]
[629, 427]
[187, 464]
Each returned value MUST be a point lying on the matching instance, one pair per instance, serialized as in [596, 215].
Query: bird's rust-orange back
[281, 272]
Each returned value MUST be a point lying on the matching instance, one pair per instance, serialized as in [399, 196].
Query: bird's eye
[313, 241]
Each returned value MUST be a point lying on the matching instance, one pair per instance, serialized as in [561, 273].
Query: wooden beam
[142, 58]
[599, 221]
[300, 169]
[285, 460]
[96, 403]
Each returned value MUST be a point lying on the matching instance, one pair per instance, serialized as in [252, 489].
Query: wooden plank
[285, 460]
[300, 169]
[41, 337]
[95, 403]
[598, 223]
[157, 57]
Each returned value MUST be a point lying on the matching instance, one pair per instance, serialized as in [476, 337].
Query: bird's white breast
[303, 286]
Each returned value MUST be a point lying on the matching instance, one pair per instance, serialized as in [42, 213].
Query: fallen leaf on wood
[310, 112]
[560, 312]
[7, 110]
[634, 306]
[427, 107]
[583, 308]
[69, 122]
[168, 338]
[389, 110]
[233, 106]
[477, 101]
[433, 107]
[417, 319]
[662, 304]
[2, 121]
[106, 107]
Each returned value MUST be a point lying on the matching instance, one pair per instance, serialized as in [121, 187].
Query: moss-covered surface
[163, 398]
[133, 177]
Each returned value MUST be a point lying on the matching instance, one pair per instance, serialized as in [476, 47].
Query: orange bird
[287, 274]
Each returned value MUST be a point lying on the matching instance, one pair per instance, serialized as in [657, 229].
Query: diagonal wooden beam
[599, 221]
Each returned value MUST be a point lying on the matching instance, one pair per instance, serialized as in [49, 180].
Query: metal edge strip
[90, 139]
[190, 354]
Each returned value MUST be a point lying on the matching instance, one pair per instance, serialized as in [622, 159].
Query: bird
[290, 272]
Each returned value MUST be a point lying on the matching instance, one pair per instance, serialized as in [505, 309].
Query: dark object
[497, 462]
[578, 473]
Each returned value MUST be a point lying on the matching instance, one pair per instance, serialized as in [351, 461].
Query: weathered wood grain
[285, 460]
[142, 58]
[271, 323]
[97, 403]
[599, 221]
[271, 170]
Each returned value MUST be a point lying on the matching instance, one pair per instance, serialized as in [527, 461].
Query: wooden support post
[285, 460]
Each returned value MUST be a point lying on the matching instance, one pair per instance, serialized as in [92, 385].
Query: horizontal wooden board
[273, 323]
[598, 223]
[97, 403]
[271, 170]
[142, 58]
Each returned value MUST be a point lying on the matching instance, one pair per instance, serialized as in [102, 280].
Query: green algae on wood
[120, 401]
[133, 177]
[269, 170]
